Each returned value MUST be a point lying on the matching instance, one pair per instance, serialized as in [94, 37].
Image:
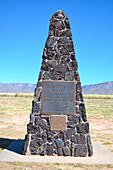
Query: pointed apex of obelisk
[60, 15]
[59, 24]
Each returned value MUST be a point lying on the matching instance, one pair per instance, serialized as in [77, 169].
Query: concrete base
[14, 153]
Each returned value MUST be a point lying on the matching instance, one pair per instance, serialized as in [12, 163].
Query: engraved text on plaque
[58, 97]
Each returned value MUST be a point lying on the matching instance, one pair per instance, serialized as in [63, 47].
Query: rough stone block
[90, 147]
[62, 68]
[73, 146]
[33, 147]
[52, 63]
[59, 143]
[44, 136]
[49, 150]
[43, 153]
[40, 122]
[39, 141]
[26, 144]
[54, 144]
[72, 56]
[37, 94]
[66, 151]
[64, 40]
[67, 143]
[65, 33]
[56, 75]
[46, 75]
[70, 132]
[81, 150]
[62, 135]
[69, 76]
[79, 139]
[36, 106]
[59, 151]
[75, 118]
[50, 135]
[50, 55]
[31, 129]
[67, 24]
[83, 127]
[71, 124]
[51, 42]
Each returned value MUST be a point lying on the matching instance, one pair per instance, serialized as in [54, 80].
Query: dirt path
[102, 131]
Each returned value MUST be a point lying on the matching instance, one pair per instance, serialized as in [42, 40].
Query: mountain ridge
[100, 88]
[17, 87]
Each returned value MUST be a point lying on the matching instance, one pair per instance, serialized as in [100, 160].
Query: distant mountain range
[101, 88]
[17, 88]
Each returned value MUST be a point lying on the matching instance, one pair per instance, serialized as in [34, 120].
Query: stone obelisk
[58, 123]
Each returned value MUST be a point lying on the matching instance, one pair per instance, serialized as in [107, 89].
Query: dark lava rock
[37, 95]
[66, 151]
[70, 132]
[54, 144]
[39, 141]
[33, 150]
[46, 75]
[50, 135]
[73, 146]
[51, 42]
[31, 129]
[44, 136]
[90, 147]
[79, 139]
[59, 143]
[40, 122]
[33, 147]
[71, 124]
[59, 151]
[61, 68]
[75, 118]
[67, 143]
[64, 40]
[52, 63]
[69, 76]
[49, 150]
[81, 150]
[83, 127]
[26, 143]
[36, 106]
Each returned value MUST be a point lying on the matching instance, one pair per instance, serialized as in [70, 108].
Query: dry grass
[14, 116]
[16, 94]
[48, 166]
[87, 96]
[97, 96]
[99, 108]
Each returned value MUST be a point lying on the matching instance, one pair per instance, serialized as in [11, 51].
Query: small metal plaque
[58, 97]
[58, 123]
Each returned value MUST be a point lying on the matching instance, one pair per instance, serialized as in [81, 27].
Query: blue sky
[24, 26]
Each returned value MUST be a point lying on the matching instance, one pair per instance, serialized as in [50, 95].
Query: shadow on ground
[14, 145]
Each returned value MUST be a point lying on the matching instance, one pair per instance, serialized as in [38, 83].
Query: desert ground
[14, 116]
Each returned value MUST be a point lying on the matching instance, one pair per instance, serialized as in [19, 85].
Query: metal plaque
[58, 123]
[58, 97]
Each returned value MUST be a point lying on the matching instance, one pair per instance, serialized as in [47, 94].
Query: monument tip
[59, 14]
